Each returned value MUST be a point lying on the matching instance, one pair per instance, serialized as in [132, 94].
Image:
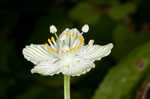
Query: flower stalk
[66, 87]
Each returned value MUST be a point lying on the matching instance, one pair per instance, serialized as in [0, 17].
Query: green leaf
[102, 2]
[123, 78]
[121, 11]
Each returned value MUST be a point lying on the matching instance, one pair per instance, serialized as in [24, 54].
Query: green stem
[66, 87]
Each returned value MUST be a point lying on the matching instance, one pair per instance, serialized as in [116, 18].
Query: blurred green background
[125, 74]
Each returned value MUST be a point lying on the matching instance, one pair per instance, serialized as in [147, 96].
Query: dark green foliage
[122, 79]
[90, 14]
[121, 11]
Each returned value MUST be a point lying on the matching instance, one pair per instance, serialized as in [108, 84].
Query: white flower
[67, 54]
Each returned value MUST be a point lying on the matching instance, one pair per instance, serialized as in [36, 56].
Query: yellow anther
[81, 42]
[48, 49]
[53, 49]
[78, 47]
[49, 40]
[46, 44]
[52, 38]
[57, 51]
[80, 38]
[67, 51]
[72, 49]
[73, 34]
[67, 34]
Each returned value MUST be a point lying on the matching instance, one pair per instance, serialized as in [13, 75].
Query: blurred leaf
[85, 13]
[102, 2]
[121, 11]
[123, 38]
[126, 39]
[122, 79]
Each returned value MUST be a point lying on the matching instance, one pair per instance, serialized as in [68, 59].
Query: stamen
[49, 40]
[81, 42]
[53, 49]
[67, 34]
[72, 49]
[73, 34]
[46, 44]
[48, 49]
[52, 38]
[79, 37]
[56, 36]
[57, 51]
[78, 47]
[59, 42]
[67, 51]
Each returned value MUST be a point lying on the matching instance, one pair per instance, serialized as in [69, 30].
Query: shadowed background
[122, 75]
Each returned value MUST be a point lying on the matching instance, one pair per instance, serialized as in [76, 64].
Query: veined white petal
[77, 66]
[95, 52]
[36, 53]
[46, 68]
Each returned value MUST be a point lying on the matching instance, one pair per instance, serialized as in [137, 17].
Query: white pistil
[53, 29]
[91, 42]
[85, 28]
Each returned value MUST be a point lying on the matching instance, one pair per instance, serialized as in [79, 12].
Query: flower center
[69, 41]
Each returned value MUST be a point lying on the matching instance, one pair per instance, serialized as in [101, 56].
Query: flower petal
[96, 52]
[36, 53]
[77, 67]
[46, 68]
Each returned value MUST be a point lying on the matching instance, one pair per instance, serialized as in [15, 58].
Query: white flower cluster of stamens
[67, 54]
